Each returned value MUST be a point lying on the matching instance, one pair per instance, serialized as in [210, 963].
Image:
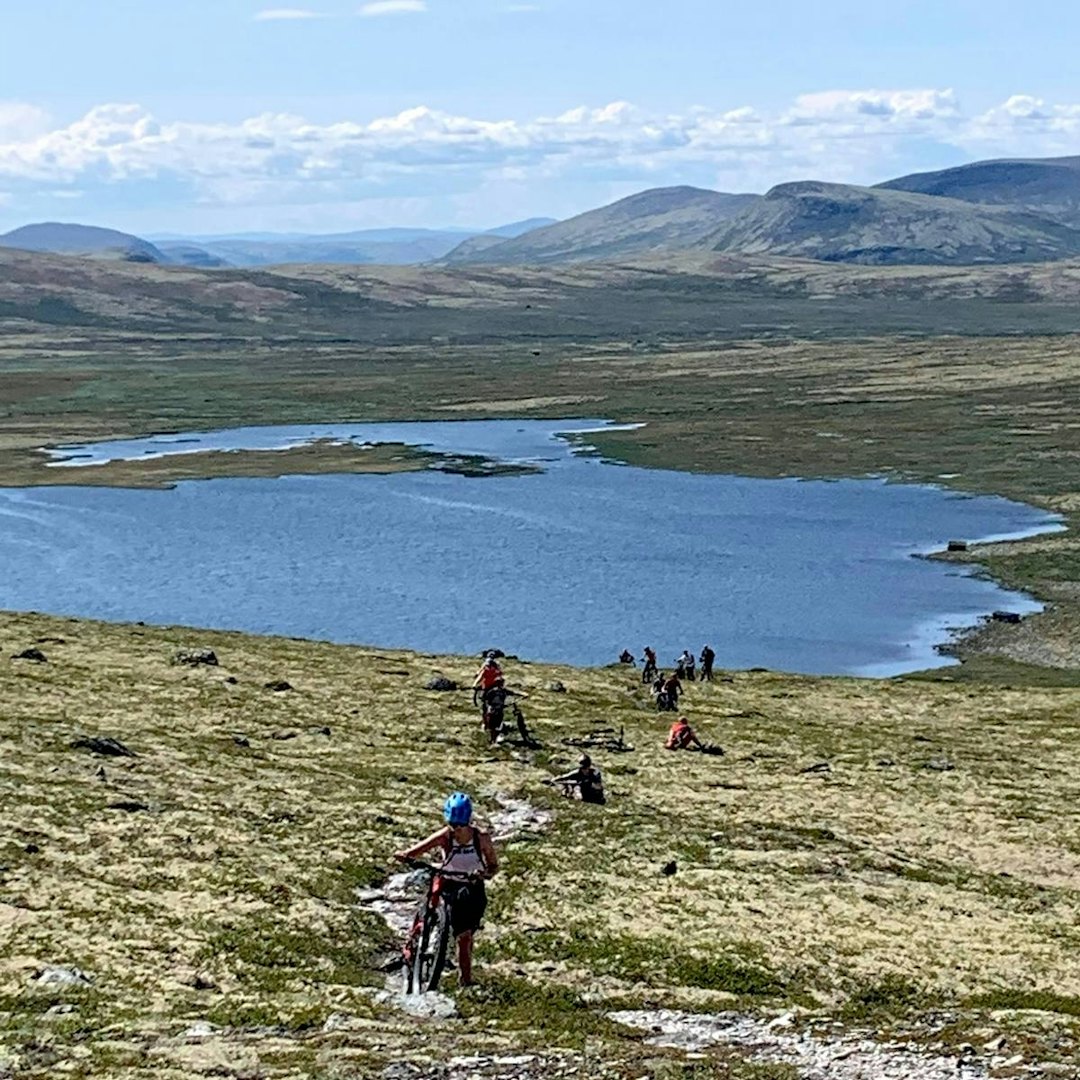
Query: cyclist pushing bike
[469, 858]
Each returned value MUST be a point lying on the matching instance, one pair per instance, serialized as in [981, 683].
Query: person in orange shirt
[682, 737]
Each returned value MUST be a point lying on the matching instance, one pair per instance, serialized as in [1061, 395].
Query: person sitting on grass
[469, 858]
[682, 737]
[584, 782]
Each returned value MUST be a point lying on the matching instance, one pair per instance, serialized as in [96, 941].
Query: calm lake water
[570, 564]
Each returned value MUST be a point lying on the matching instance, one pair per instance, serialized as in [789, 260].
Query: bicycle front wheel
[430, 956]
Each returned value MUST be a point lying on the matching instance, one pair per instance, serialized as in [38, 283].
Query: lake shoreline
[510, 448]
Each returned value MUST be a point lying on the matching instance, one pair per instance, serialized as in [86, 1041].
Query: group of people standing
[685, 664]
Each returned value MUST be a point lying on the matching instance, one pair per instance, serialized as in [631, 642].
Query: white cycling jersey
[464, 860]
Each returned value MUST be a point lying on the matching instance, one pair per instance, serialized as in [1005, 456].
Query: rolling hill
[65, 238]
[1049, 187]
[658, 219]
[882, 226]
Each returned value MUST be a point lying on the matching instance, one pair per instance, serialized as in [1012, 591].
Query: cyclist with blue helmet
[469, 858]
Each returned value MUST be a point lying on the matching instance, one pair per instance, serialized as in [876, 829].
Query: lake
[572, 563]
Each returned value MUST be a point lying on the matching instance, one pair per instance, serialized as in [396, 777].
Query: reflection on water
[572, 564]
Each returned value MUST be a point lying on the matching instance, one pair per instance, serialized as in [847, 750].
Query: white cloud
[21, 121]
[287, 14]
[122, 152]
[1028, 125]
[393, 7]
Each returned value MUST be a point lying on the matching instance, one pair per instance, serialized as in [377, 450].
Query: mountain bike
[424, 951]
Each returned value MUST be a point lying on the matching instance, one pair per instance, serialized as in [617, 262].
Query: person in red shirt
[486, 677]
[682, 737]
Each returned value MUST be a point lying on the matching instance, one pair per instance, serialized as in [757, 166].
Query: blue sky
[225, 115]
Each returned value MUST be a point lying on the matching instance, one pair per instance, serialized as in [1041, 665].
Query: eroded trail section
[396, 900]
[848, 1056]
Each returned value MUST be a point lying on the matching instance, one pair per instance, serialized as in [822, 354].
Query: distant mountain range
[1049, 187]
[882, 226]
[63, 239]
[987, 212]
[369, 246]
[658, 219]
[1006, 211]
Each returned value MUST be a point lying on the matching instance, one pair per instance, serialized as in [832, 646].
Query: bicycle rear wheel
[430, 956]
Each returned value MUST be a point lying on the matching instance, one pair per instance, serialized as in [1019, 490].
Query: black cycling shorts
[468, 902]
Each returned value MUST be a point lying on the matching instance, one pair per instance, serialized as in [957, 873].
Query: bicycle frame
[432, 914]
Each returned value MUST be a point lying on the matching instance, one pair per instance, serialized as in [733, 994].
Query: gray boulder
[195, 657]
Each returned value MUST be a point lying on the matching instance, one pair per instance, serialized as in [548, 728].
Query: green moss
[890, 996]
[1036, 1000]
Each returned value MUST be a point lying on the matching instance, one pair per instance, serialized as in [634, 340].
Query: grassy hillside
[682, 297]
[870, 852]
[843, 223]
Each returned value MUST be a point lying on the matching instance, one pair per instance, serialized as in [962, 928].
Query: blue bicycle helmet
[458, 809]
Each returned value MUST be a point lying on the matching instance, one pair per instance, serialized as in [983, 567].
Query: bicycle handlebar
[419, 864]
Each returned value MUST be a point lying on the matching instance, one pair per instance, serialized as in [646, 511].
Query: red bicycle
[426, 945]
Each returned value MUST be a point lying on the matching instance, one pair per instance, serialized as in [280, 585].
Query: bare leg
[464, 944]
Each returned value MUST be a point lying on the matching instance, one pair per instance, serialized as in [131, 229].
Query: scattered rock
[1006, 616]
[819, 767]
[885, 763]
[939, 765]
[278, 685]
[440, 682]
[555, 687]
[32, 849]
[958, 545]
[131, 806]
[202, 982]
[194, 657]
[105, 745]
[232, 680]
[241, 740]
[31, 654]
[994, 1045]
[63, 1009]
[337, 1022]
[50, 641]
[281, 736]
[812, 1056]
[322, 731]
[100, 774]
[62, 976]
[201, 1029]
[669, 868]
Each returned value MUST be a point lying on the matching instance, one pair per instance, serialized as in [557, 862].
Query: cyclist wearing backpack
[468, 859]
[707, 658]
[486, 677]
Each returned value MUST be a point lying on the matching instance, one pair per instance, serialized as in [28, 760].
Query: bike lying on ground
[426, 945]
